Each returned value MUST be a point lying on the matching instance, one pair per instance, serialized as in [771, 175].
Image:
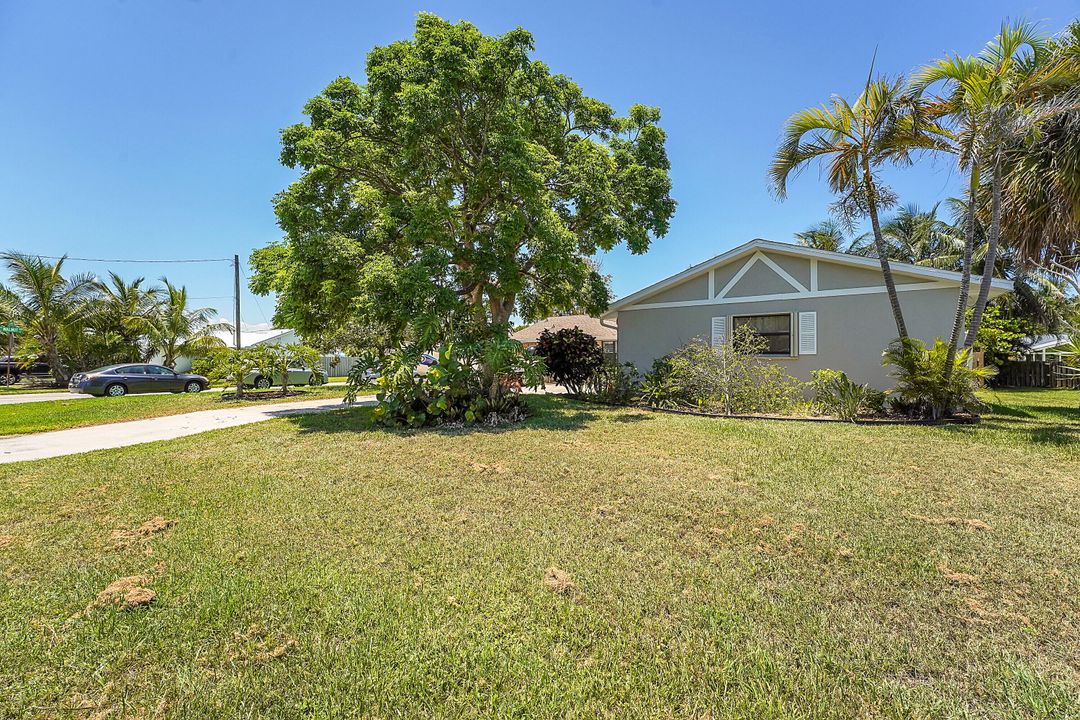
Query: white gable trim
[759, 257]
[951, 278]
[837, 292]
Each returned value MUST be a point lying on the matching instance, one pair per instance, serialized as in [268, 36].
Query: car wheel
[193, 387]
[9, 379]
[262, 383]
[116, 390]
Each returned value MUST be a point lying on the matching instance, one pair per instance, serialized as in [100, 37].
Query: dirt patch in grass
[127, 593]
[6, 540]
[153, 526]
[254, 396]
[558, 580]
[256, 645]
[955, 577]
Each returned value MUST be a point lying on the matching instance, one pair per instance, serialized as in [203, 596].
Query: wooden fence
[1036, 373]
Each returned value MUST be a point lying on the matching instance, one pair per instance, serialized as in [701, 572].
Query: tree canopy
[464, 182]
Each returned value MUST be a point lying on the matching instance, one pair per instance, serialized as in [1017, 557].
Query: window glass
[775, 329]
[132, 370]
[158, 370]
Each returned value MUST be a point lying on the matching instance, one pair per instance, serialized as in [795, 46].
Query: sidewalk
[101, 437]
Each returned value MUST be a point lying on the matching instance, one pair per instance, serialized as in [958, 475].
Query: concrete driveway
[114, 435]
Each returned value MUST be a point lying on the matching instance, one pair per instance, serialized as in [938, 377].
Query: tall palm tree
[989, 100]
[175, 329]
[44, 303]
[123, 312]
[1041, 179]
[853, 140]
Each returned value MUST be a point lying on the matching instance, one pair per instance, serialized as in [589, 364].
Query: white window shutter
[808, 333]
[719, 331]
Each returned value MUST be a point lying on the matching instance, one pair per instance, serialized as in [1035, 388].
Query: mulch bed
[259, 396]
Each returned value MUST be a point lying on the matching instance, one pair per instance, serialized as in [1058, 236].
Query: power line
[124, 260]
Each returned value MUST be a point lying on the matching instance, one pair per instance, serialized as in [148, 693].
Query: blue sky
[150, 129]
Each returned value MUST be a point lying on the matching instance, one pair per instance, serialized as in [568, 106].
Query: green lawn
[60, 414]
[719, 568]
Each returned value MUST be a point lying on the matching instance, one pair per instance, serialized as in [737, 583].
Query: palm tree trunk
[883, 253]
[965, 275]
[56, 366]
[991, 256]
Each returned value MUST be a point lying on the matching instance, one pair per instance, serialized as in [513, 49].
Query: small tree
[228, 366]
[274, 361]
[571, 355]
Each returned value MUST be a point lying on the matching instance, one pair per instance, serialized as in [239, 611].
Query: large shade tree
[463, 183]
[38, 298]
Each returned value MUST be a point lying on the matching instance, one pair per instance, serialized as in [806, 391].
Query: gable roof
[605, 330]
[759, 244]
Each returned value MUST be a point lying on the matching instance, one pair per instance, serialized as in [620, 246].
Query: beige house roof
[599, 329]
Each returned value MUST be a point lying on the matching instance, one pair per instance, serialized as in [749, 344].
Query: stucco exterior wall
[852, 330]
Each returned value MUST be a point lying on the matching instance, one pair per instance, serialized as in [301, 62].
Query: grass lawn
[60, 414]
[593, 562]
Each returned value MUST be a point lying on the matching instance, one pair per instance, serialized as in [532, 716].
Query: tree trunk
[965, 275]
[991, 256]
[883, 254]
[52, 356]
[500, 308]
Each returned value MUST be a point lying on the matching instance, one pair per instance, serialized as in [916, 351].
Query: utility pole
[236, 299]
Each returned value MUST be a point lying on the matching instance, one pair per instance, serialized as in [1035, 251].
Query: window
[609, 349]
[132, 370]
[776, 329]
[158, 370]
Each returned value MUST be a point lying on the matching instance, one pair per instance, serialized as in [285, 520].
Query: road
[115, 435]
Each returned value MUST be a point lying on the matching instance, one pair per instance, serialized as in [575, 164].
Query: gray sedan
[119, 380]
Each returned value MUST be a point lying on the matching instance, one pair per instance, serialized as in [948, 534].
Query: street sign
[10, 329]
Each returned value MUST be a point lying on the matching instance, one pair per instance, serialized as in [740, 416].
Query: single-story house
[816, 308]
[1044, 347]
[606, 332]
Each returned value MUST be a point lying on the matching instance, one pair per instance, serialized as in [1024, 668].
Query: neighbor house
[815, 308]
[606, 332]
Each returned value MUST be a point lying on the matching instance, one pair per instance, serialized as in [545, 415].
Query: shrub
[731, 378]
[274, 361]
[228, 366]
[612, 383]
[571, 356]
[837, 395]
[466, 384]
[921, 384]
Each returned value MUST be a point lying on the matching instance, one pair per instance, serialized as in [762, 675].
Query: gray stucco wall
[852, 330]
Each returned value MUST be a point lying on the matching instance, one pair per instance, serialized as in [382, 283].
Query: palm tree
[1041, 179]
[175, 330]
[853, 141]
[44, 303]
[989, 100]
[826, 235]
[920, 237]
[123, 312]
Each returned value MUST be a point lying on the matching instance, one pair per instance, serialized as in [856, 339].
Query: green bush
[571, 356]
[612, 383]
[228, 366]
[921, 383]
[732, 378]
[837, 395]
[468, 384]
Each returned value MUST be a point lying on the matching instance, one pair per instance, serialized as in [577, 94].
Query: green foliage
[612, 383]
[466, 182]
[922, 385]
[999, 336]
[571, 356]
[274, 361]
[228, 366]
[731, 378]
[454, 389]
[837, 395]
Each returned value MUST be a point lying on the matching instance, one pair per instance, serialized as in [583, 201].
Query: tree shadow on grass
[546, 413]
[1033, 431]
